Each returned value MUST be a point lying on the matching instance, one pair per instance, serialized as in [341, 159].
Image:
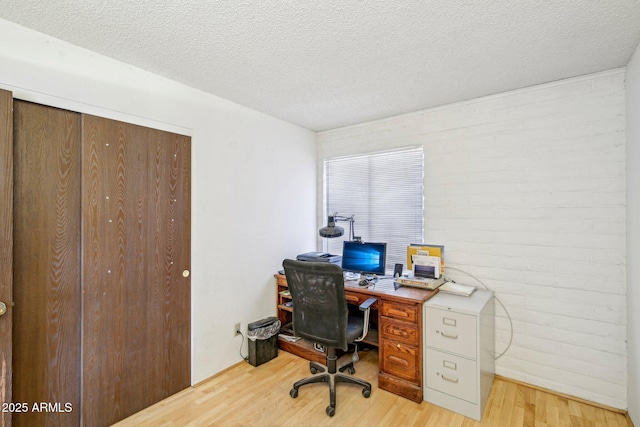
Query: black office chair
[321, 315]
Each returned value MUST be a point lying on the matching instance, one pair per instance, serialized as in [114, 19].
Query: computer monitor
[361, 257]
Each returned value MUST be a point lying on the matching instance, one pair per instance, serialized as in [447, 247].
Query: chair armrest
[365, 307]
[367, 304]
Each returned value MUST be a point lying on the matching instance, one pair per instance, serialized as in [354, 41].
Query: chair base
[331, 377]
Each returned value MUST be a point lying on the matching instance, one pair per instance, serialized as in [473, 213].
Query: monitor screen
[364, 257]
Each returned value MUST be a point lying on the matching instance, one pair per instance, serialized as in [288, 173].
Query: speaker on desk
[397, 270]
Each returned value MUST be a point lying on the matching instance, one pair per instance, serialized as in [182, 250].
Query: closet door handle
[3, 308]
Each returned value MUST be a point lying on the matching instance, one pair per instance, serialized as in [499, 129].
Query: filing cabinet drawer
[450, 374]
[400, 360]
[451, 331]
[396, 310]
[406, 333]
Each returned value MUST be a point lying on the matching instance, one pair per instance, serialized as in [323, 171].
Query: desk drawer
[357, 299]
[403, 332]
[451, 374]
[396, 310]
[450, 331]
[400, 360]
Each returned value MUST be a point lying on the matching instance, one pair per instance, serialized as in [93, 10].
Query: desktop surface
[384, 286]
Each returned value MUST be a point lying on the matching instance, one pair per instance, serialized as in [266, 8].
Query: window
[384, 193]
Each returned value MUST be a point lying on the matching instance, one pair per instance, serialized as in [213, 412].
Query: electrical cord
[241, 345]
[499, 302]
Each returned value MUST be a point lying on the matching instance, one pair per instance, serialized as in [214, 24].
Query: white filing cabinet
[459, 351]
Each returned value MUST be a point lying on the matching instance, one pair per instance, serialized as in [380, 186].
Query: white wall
[633, 232]
[246, 169]
[526, 190]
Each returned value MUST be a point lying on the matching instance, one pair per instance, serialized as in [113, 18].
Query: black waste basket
[263, 340]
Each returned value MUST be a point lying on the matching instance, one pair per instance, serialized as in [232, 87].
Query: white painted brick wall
[526, 190]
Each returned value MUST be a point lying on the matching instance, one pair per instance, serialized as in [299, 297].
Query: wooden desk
[396, 330]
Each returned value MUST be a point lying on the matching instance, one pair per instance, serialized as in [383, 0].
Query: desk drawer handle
[398, 361]
[394, 330]
[446, 378]
[398, 313]
[453, 337]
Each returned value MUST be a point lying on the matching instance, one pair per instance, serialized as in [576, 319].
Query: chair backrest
[320, 311]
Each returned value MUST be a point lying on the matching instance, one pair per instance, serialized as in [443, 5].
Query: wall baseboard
[568, 396]
[224, 371]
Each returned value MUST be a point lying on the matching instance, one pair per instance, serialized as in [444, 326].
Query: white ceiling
[324, 64]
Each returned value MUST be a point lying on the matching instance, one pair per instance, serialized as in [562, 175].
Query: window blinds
[384, 193]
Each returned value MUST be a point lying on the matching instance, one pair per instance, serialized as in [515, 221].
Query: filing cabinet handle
[446, 378]
[455, 337]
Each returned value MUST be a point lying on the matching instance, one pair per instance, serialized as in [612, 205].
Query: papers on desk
[289, 338]
[457, 289]
[425, 249]
[384, 284]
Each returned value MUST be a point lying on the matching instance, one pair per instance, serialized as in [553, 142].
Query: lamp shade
[331, 229]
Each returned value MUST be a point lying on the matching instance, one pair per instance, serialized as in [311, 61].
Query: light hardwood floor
[259, 396]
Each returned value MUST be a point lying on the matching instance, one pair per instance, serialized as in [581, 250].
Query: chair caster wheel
[331, 411]
[293, 393]
[351, 370]
[366, 392]
[313, 370]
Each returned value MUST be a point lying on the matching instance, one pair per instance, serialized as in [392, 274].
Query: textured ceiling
[324, 64]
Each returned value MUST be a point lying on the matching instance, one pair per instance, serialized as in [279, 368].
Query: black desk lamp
[332, 230]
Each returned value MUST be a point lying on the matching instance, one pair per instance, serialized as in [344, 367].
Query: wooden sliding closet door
[6, 249]
[46, 265]
[136, 261]
[101, 258]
